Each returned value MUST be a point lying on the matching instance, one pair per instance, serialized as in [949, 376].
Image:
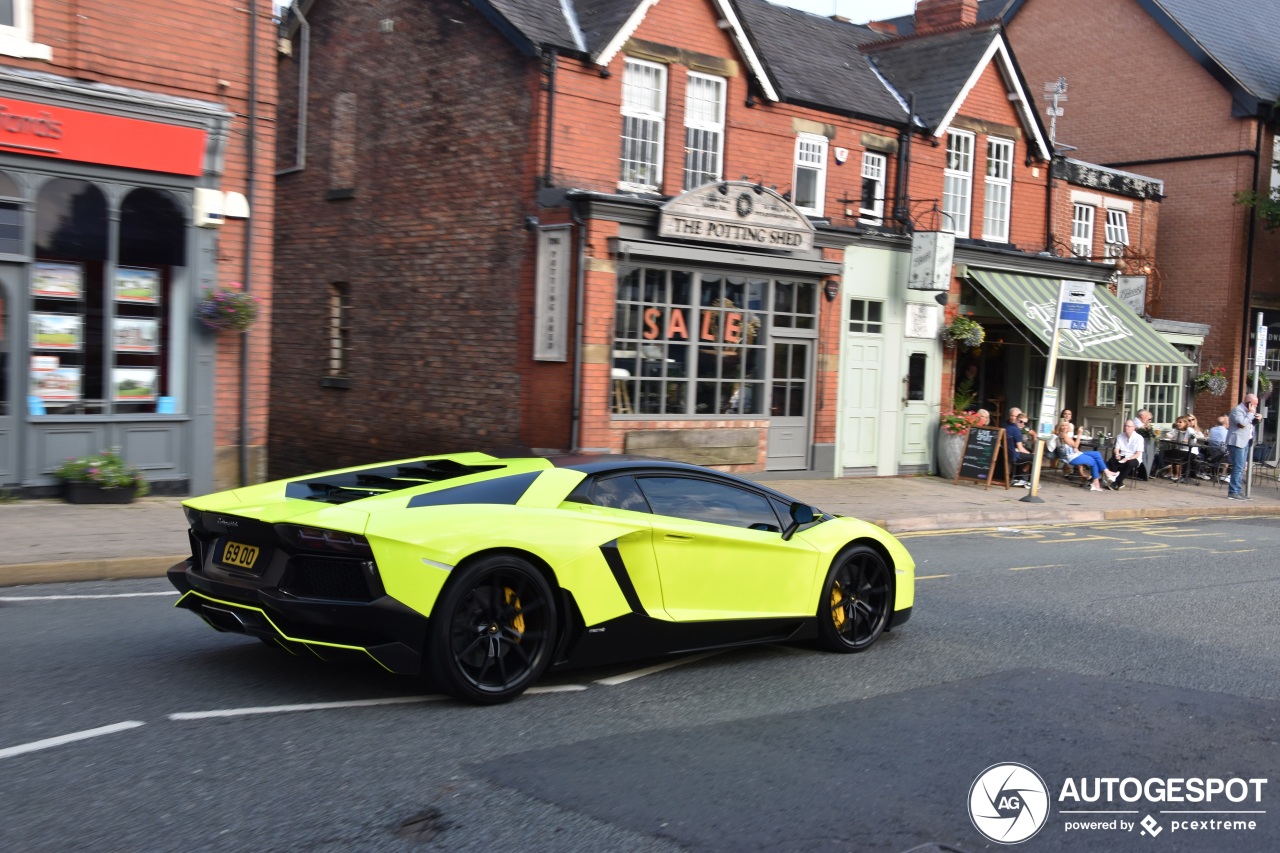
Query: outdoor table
[1196, 450]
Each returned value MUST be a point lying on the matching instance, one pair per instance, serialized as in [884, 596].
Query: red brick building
[677, 228]
[1184, 91]
[136, 172]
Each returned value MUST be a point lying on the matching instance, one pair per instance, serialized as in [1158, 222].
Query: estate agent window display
[100, 339]
[695, 343]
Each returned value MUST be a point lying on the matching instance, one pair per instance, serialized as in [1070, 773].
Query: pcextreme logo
[1009, 803]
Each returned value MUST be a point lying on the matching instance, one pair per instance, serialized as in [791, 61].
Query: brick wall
[1136, 95]
[432, 257]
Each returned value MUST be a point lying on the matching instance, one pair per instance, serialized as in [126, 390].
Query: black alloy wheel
[857, 600]
[492, 631]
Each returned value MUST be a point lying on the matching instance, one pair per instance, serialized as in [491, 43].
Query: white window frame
[1082, 218]
[1162, 391]
[1108, 379]
[704, 129]
[997, 200]
[874, 169]
[636, 109]
[811, 155]
[1117, 232]
[957, 183]
[16, 40]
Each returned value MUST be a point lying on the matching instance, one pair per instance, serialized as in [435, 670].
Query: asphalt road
[1123, 650]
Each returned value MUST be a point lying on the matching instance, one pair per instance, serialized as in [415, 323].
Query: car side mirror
[801, 514]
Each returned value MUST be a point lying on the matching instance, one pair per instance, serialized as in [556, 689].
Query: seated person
[1069, 451]
[1176, 452]
[984, 418]
[1217, 453]
[1018, 453]
[1127, 459]
[1218, 434]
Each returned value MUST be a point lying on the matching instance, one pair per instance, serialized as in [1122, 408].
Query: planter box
[92, 493]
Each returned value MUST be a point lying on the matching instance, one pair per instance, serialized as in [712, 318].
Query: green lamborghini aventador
[481, 573]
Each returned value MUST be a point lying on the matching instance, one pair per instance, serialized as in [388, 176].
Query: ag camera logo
[1008, 803]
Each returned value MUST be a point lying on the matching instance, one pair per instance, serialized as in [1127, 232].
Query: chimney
[943, 14]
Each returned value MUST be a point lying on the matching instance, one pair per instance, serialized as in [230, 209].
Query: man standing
[1239, 437]
[1018, 453]
[1127, 457]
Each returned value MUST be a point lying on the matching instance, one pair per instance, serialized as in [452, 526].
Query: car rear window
[501, 490]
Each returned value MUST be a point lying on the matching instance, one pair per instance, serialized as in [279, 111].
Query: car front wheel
[492, 631]
[857, 600]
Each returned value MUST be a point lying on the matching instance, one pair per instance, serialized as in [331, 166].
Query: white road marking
[83, 597]
[557, 688]
[71, 738]
[615, 680]
[311, 706]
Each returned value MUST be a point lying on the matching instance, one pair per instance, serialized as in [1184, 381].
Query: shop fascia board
[726, 256]
[128, 103]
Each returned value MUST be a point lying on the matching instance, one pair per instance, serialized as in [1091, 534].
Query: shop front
[1119, 364]
[100, 267]
[714, 356]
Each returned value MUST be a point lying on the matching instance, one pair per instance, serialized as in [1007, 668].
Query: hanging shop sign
[932, 253]
[42, 130]
[737, 213]
[1131, 290]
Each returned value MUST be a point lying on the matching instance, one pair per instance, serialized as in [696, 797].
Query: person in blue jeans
[1239, 437]
[1069, 451]
[1018, 453]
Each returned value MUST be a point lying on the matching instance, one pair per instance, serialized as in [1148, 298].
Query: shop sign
[1074, 300]
[932, 253]
[41, 130]
[737, 213]
[551, 295]
[1132, 291]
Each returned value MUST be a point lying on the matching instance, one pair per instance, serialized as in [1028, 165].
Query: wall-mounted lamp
[531, 222]
[723, 189]
[941, 297]
[751, 100]
[831, 289]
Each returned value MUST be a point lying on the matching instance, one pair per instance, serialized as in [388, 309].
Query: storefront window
[696, 343]
[10, 216]
[100, 321]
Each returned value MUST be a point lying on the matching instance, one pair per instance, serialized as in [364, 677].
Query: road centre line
[930, 577]
[83, 597]
[615, 680]
[69, 738]
[1049, 566]
[310, 706]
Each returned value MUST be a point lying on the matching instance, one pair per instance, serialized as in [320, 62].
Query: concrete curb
[70, 571]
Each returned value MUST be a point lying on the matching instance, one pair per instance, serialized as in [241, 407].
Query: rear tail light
[328, 541]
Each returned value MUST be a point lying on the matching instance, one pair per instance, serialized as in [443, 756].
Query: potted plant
[227, 309]
[101, 478]
[1212, 381]
[953, 433]
[963, 331]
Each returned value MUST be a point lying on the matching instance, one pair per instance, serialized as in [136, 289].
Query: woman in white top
[1070, 452]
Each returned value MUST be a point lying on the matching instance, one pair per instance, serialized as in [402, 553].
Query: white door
[862, 391]
[919, 415]
[789, 395]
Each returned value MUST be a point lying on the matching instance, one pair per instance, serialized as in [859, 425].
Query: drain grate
[427, 825]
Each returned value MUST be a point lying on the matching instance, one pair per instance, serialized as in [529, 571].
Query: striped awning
[1115, 333]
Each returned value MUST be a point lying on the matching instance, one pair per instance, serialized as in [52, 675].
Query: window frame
[339, 330]
[16, 39]
[1082, 242]
[695, 124]
[817, 165]
[996, 186]
[957, 185]
[633, 111]
[863, 320]
[879, 170]
[1117, 232]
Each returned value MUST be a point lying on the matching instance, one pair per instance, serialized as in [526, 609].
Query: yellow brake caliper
[837, 612]
[509, 596]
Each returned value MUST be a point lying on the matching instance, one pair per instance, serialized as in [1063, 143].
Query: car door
[720, 552]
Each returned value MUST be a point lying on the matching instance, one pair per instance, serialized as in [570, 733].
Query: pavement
[47, 541]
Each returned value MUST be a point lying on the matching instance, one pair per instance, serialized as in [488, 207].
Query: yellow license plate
[235, 554]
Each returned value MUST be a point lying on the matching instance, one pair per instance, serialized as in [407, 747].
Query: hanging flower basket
[1264, 383]
[227, 309]
[964, 332]
[1212, 381]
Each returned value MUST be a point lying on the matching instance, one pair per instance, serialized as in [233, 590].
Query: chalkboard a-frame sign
[983, 447]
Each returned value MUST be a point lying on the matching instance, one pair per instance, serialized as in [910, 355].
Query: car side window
[703, 500]
[618, 493]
